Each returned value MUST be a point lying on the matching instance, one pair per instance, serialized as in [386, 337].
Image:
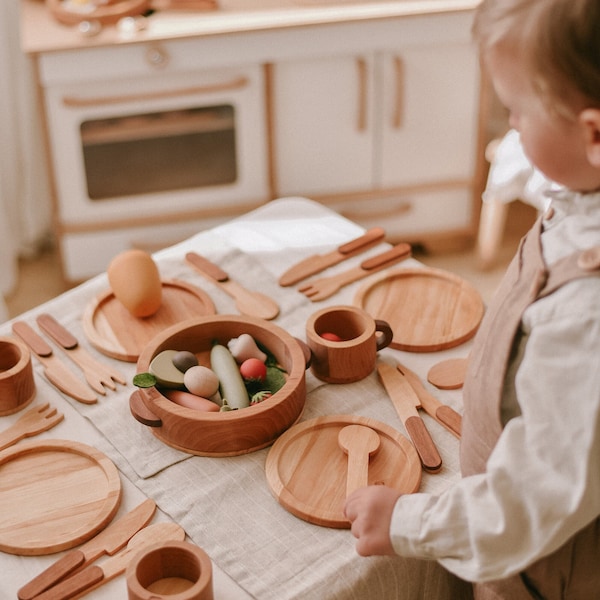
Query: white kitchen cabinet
[397, 124]
[87, 253]
[400, 117]
[435, 218]
[427, 115]
[323, 119]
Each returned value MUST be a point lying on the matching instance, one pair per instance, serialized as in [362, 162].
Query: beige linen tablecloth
[224, 504]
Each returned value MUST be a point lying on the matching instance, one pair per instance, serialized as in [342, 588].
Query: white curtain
[24, 188]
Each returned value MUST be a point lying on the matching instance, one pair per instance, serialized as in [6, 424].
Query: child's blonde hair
[558, 40]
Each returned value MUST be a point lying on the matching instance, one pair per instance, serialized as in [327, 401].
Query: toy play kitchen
[103, 492]
[160, 124]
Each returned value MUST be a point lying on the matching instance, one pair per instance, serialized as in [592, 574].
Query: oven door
[158, 145]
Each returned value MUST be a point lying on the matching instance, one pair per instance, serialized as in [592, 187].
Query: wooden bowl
[223, 433]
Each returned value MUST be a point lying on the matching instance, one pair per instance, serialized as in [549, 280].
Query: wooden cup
[168, 570]
[17, 387]
[352, 358]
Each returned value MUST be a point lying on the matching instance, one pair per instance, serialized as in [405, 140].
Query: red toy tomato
[332, 337]
[253, 369]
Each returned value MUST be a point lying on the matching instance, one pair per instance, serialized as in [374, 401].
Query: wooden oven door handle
[83, 101]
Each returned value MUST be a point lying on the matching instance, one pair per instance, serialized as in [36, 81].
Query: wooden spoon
[359, 443]
[248, 302]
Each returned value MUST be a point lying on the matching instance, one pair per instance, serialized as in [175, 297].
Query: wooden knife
[94, 576]
[54, 369]
[110, 540]
[319, 262]
[405, 402]
[443, 414]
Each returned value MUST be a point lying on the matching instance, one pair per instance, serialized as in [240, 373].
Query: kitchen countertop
[42, 33]
[258, 549]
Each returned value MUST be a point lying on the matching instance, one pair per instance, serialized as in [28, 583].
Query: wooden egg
[224, 433]
[135, 281]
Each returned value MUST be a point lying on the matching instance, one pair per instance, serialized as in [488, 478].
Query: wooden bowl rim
[22, 362]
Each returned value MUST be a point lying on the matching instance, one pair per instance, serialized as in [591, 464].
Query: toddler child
[524, 521]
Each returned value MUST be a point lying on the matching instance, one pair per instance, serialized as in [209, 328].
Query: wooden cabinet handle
[361, 66]
[82, 101]
[399, 73]
[402, 208]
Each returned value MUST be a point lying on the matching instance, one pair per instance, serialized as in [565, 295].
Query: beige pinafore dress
[573, 571]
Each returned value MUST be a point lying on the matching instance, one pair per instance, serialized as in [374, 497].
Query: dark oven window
[158, 152]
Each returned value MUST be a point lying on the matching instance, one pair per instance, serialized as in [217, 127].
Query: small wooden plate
[307, 470]
[114, 331]
[427, 309]
[448, 374]
[54, 495]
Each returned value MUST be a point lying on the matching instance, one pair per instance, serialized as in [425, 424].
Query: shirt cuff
[405, 527]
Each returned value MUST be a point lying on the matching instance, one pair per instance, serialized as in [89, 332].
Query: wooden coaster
[448, 374]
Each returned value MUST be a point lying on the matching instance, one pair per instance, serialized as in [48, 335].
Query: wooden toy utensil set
[344, 341]
[157, 561]
[98, 376]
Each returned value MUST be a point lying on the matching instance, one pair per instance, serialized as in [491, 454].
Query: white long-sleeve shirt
[542, 482]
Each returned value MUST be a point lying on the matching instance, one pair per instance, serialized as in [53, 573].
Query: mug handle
[384, 339]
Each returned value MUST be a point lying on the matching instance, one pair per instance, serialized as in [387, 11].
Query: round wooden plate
[54, 495]
[427, 309]
[114, 331]
[307, 470]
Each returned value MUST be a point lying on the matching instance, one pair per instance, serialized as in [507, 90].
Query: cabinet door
[323, 125]
[429, 114]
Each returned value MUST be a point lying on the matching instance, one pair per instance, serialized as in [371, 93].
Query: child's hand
[369, 511]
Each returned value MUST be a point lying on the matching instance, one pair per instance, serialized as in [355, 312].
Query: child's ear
[590, 120]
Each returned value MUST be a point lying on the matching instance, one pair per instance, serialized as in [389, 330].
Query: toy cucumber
[230, 381]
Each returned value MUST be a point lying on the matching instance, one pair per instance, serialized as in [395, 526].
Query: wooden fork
[320, 289]
[98, 375]
[34, 421]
